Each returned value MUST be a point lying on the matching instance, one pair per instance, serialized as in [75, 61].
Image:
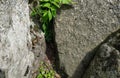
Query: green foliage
[46, 10]
[45, 73]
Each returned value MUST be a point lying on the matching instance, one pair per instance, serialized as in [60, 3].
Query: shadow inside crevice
[51, 46]
[52, 52]
[85, 63]
[2, 74]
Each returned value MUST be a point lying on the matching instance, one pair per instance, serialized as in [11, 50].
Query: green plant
[44, 72]
[46, 11]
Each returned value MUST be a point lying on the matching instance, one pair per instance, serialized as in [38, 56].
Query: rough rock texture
[80, 28]
[15, 45]
[106, 63]
[38, 48]
[38, 42]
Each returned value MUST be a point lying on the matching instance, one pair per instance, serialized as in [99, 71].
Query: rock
[106, 63]
[16, 57]
[80, 28]
[38, 48]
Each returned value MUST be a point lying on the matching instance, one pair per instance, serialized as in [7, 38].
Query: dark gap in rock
[0, 71]
[27, 71]
[117, 47]
[2, 74]
[52, 52]
[30, 1]
[51, 46]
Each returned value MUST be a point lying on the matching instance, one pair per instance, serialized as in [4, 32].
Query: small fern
[46, 10]
[44, 72]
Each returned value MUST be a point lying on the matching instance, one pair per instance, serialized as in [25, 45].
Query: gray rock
[106, 63]
[80, 28]
[38, 48]
[15, 42]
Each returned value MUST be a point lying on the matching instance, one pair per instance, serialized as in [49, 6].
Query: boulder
[106, 63]
[82, 27]
[16, 57]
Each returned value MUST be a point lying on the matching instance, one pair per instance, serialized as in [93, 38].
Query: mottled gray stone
[38, 48]
[15, 45]
[79, 29]
[106, 63]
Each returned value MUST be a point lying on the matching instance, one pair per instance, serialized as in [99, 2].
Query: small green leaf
[39, 76]
[45, 17]
[66, 1]
[56, 4]
[45, 11]
[33, 13]
[54, 13]
[47, 5]
[53, 7]
[43, 72]
[44, 0]
[44, 27]
[50, 15]
[57, 1]
[45, 75]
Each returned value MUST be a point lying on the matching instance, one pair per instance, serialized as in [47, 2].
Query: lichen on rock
[106, 63]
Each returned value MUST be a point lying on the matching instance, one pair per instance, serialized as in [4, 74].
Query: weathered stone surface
[38, 48]
[79, 29]
[15, 45]
[106, 63]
